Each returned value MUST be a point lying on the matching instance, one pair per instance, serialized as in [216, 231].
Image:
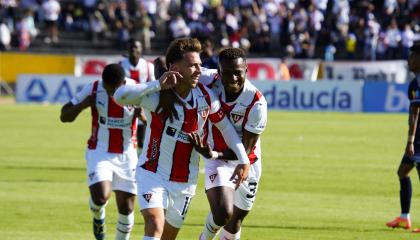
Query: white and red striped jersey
[113, 126]
[167, 149]
[143, 72]
[247, 112]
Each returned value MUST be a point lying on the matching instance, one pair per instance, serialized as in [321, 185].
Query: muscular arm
[69, 112]
[133, 94]
[412, 127]
[232, 140]
[249, 140]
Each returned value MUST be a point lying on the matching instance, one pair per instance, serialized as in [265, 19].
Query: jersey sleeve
[216, 113]
[83, 94]
[257, 118]
[151, 71]
[207, 76]
[144, 95]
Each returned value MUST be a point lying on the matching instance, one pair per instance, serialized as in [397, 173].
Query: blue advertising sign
[49, 88]
[314, 96]
[385, 97]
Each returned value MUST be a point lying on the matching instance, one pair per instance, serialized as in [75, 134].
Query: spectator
[407, 40]
[209, 60]
[284, 70]
[351, 43]
[5, 36]
[329, 52]
[51, 10]
[179, 27]
[393, 38]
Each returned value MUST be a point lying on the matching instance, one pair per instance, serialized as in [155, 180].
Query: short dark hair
[132, 41]
[179, 47]
[113, 74]
[231, 54]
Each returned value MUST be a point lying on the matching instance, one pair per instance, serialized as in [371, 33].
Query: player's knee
[402, 173]
[223, 215]
[100, 200]
[153, 224]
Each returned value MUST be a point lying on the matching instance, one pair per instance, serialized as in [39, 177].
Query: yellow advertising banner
[13, 64]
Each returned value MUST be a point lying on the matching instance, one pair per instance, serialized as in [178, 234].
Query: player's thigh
[180, 197]
[99, 173]
[218, 174]
[124, 171]
[221, 202]
[245, 195]
[151, 190]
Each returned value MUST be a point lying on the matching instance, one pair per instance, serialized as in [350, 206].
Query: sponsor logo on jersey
[212, 177]
[170, 131]
[102, 120]
[91, 175]
[115, 122]
[147, 196]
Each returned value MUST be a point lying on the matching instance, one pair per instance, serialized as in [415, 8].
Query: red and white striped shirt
[141, 73]
[167, 149]
[113, 126]
[247, 112]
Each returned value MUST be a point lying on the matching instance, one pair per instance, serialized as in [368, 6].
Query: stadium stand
[326, 29]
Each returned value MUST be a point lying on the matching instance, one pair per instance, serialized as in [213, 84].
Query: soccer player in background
[111, 155]
[176, 106]
[140, 70]
[246, 108]
[410, 160]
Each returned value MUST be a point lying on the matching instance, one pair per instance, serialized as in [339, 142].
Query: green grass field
[325, 176]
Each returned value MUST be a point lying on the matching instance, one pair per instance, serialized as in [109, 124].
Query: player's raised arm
[81, 101]
[132, 94]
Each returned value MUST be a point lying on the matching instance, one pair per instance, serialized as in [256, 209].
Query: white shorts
[174, 197]
[117, 168]
[218, 173]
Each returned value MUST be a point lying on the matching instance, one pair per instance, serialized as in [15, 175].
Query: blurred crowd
[326, 29]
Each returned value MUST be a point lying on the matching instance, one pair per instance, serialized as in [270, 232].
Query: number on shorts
[252, 189]
[186, 205]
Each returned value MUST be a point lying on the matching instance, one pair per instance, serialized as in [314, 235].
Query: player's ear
[173, 67]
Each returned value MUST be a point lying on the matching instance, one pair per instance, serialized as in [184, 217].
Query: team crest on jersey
[203, 112]
[212, 177]
[236, 117]
[147, 196]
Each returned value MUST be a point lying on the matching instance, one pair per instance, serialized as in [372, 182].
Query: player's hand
[409, 149]
[169, 79]
[203, 148]
[240, 174]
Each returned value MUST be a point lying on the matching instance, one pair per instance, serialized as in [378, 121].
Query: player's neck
[231, 97]
[134, 61]
[182, 90]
